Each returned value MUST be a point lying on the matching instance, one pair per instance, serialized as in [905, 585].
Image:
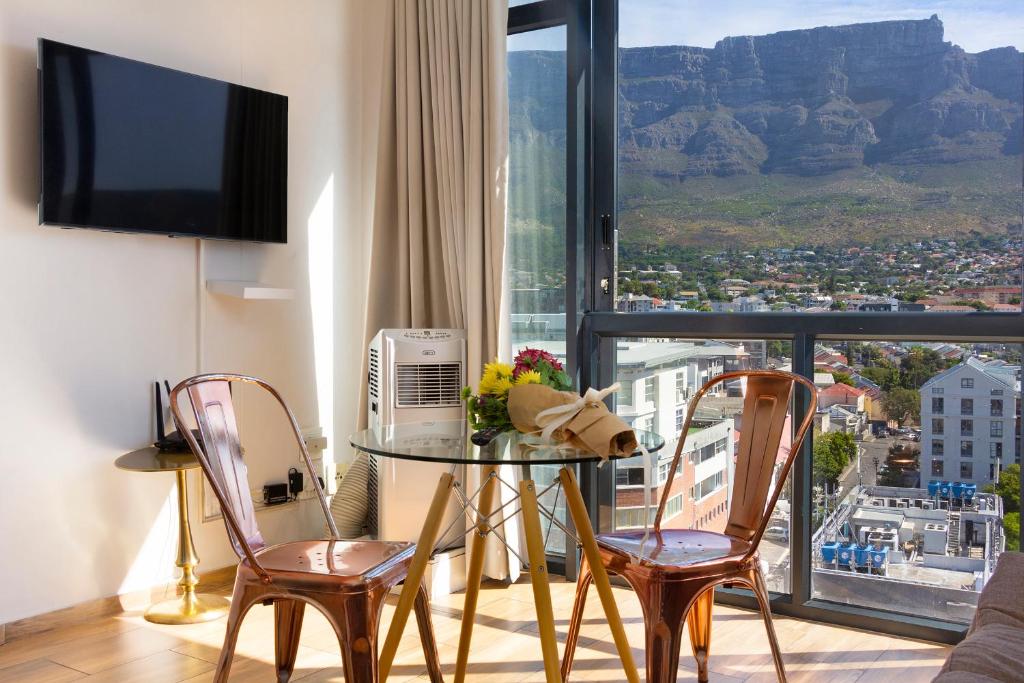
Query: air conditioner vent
[373, 488]
[374, 373]
[427, 385]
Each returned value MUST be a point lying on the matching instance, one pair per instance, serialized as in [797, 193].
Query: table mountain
[852, 133]
[818, 100]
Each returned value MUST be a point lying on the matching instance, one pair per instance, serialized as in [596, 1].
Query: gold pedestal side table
[191, 607]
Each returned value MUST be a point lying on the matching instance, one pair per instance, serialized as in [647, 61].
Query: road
[869, 451]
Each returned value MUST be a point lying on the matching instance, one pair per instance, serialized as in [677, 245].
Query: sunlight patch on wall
[321, 301]
[154, 562]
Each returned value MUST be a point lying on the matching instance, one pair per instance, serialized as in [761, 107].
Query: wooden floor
[127, 649]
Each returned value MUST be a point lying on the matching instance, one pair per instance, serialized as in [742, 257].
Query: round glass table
[449, 441]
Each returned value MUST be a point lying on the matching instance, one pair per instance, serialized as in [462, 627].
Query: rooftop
[1000, 371]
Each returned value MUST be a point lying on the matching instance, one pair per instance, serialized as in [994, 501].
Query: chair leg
[761, 591]
[287, 628]
[665, 618]
[426, 625]
[576, 621]
[699, 622]
[354, 618]
[241, 600]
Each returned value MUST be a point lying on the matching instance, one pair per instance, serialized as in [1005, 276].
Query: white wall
[89, 319]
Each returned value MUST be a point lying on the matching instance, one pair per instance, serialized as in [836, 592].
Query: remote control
[485, 436]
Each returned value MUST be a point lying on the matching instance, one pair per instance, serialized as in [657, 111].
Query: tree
[776, 348]
[827, 466]
[1008, 488]
[842, 378]
[920, 365]
[890, 477]
[902, 405]
[832, 453]
[902, 465]
[1011, 530]
[973, 303]
[885, 376]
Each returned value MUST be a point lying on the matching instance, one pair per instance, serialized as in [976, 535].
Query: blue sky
[974, 25]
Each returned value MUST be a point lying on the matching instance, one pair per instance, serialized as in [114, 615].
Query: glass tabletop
[449, 441]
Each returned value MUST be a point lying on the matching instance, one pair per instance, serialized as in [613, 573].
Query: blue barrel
[944, 488]
[958, 489]
[879, 557]
[845, 553]
[828, 552]
[969, 491]
[862, 554]
[933, 487]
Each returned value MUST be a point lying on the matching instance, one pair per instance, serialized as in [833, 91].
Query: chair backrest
[220, 455]
[766, 403]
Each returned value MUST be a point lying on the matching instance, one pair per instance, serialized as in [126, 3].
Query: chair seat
[354, 560]
[677, 547]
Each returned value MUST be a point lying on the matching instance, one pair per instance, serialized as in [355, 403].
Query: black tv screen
[134, 147]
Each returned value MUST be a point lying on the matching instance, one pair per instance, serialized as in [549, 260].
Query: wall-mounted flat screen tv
[133, 147]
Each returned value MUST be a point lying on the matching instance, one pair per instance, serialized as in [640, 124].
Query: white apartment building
[658, 379]
[969, 421]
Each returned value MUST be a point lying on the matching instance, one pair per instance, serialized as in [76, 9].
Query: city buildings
[659, 378]
[928, 551]
[969, 417]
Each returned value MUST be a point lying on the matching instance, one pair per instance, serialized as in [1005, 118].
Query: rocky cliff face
[816, 101]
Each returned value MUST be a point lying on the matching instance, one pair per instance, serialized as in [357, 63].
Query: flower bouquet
[534, 396]
[489, 408]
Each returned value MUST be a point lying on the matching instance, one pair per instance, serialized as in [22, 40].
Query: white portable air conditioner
[416, 376]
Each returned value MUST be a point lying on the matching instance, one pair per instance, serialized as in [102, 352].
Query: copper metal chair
[675, 572]
[346, 580]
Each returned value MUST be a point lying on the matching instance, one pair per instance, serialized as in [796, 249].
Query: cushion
[351, 502]
[1002, 600]
[995, 651]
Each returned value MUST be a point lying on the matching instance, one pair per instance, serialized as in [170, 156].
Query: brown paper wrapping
[593, 429]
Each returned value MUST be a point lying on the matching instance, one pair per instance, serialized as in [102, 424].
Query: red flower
[529, 359]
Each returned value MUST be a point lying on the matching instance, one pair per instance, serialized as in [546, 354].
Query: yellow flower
[488, 384]
[497, 379]
[529, 377]
[498, 369]
[502, 386]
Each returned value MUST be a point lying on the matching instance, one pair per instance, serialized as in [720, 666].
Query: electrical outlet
[314, 439]
[315, 443]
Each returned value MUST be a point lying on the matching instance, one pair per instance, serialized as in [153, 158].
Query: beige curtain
[438, 242]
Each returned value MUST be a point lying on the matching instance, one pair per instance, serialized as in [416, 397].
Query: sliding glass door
[536, 236]
[830, 190]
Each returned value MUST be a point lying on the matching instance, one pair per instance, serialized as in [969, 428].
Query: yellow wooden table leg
[475, 570]
[574, 501]
[424, 547]
[539, 579]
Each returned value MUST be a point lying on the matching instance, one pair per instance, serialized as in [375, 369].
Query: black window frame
[592, 325]
[992, 410]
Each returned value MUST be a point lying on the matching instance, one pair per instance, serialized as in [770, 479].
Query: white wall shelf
[244, 289]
